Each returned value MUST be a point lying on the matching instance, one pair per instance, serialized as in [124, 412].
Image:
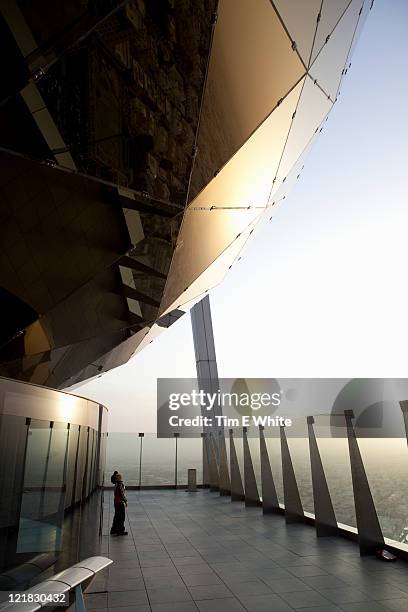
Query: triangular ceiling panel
[252, 67]
[300, 19]
[230, 202]
[312, 108]
[328, 66]
[214, 274]
[330, 14]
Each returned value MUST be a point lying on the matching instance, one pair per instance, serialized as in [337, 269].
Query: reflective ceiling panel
[300, 19]
[312, 109]
[252, 67]
[330, 14]
[329, 64]
[230, 202]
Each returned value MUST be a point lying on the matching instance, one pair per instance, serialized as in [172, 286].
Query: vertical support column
[293, 504]
[404, 408]
[206, 362]
[225, 484]
[270, 501]
[206, 466]
[370, 537]
[325, 518]
[237, 490]
[251, 490]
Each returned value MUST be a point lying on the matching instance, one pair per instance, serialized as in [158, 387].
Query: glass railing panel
[331, 436]
[80, 467]
[13, 436]
[298, 442]
[158, 460]
[239, 448]
[189, 456]
[123, 455]
[56, 473]
[72, 453]
[253, 443]
[40, 522]
[386, 465]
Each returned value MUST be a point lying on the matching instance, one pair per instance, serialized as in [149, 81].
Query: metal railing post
[176, 437]
[370, 537]
[141, 436]
[225, 484]
[270, 501]
[325, 518]
[293, 504]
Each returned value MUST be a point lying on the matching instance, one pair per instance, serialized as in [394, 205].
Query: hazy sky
[323, 291]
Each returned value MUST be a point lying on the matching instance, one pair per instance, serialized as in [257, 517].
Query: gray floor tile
[384, 591]
[327, 608]
[346, 595]
[324, 582]
[161, 562]
[307, 570]
[96, 601]
[126, 598]
[125, 584]
[286, 585]
[304, 599]
[135, 608]
[211, 591]
[247, 589]
[195, 569]
[203, 579]
[188, 561]
[395, 605]
[180, 606]
[159, 582]
[272, 574]
[168, 595]
[160, 570]
[220, 605]
[265, 603]
[365, 606]
[125, 563]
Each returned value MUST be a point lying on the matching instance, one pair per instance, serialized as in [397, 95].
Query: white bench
[60, 584]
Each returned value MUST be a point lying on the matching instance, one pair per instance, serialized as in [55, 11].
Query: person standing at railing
[120, 503]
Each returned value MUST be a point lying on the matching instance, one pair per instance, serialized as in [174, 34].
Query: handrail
[60, 584]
